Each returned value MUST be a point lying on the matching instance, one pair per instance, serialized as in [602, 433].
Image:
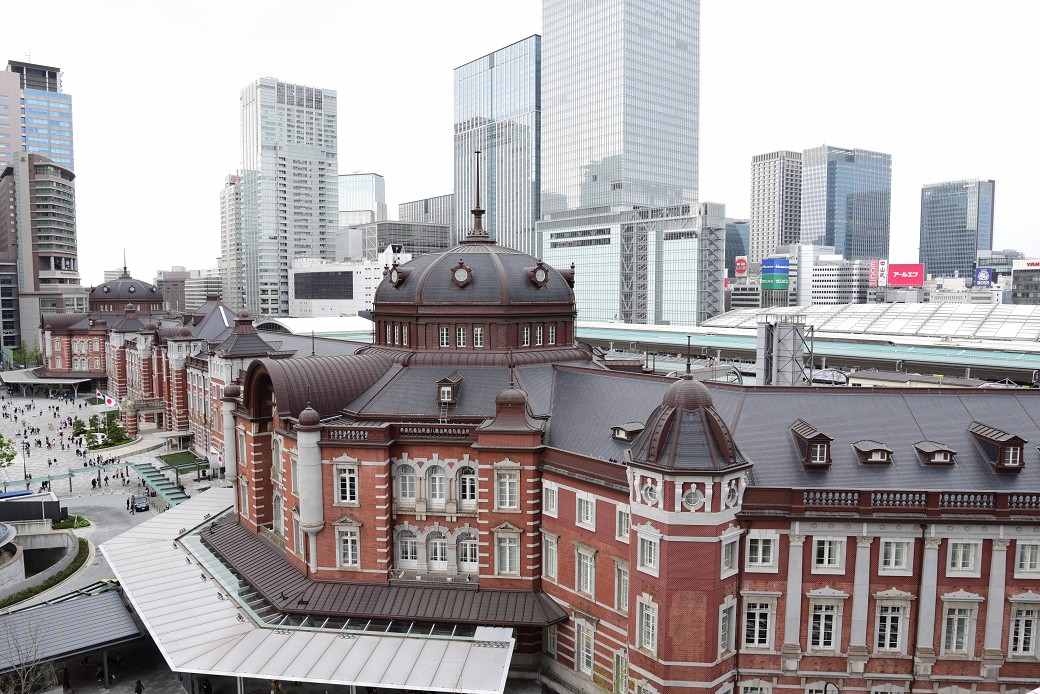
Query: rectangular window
[585, 647]
[408, 546]
[647, 626]
[962, 557]
[387, 333]
[550, 640]
[889, 623]
[550, 498]
[552, 334]
[507, 490]
[397, 334]
[895, 555]
[478, 337]
[828, 554]
[1012, 456]
[623, 522]
[760, 551]
[822, 627]
[1023, 631]
[621, 588]
[726, 624]
[819, 453]
[549, 562]
[347, 487]
[957, 624]
[445, 334]
[460, 337]
[404, 334]
[620, 674]
[1028, 558]
[525, 339]
[757, 618]
[586, 572]
[648, 554]
[508, 554]
[586, 511]
[349, 548]
[729, 557]
[538, 335]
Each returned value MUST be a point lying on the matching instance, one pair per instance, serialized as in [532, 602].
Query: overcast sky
[948, 87]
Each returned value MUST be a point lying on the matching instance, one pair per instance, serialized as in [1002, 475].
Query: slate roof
[328, 384]
[413, 391]
[273, 576]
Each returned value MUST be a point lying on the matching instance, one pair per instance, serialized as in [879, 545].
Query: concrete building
[36, 114]
[435, 210]
[1025, 281]
[847, 201]
[653, 266]
[202, 286]
[412, 237]
[956, 226]
[289, 198]
[320, 288]
[170, 284]
[362, 199]
[776, 202]
[39, 235]
[819, 276]
[498, 113]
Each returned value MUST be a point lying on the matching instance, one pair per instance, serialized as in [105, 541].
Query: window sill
[829, 570]
[348, 504]
[895, 572]
[760, 569]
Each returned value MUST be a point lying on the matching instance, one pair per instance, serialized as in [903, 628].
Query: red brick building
[477, 466]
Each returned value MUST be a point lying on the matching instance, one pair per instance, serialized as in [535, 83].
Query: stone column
[227, 425]
[791, 652]
[858, 652]
[992, 657]
[925, 657]
[312, 511]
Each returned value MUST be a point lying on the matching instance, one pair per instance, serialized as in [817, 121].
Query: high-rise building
[39, 235]
[231, 238]
[847, 201]
[35, 115]
[498, 113]
[436, 210]
[362, 199]
[956, 224]
[776, 202]
[620, 103]
[737, 235]
[289, 199]
[409, 237]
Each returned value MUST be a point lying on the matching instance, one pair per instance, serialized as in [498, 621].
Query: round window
[650, 493]
[731, 495]
[693, 499]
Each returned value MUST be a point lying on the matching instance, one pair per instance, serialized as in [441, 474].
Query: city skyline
[907, 114]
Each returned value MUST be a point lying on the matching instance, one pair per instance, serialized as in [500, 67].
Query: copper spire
[478, 234]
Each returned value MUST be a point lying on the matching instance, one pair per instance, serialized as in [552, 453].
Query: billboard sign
[1025, 264]
[740, 265]
[873, 273]
[984, 276]
[878, 273]
[775, 273]
[906, 275]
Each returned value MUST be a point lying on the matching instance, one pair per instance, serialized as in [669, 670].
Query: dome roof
[687, 394]
[232, 391]
[475, 274]
[125, 288]
[309, 417]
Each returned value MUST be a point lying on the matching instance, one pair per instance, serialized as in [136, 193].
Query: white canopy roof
[201, 629]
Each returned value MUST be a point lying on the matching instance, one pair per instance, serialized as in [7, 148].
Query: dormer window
[873, 452]
[627, 432]
[1002, 449]
[448, 390]
[935, 453]
[814, 446]
[940, 457]
[447, 394]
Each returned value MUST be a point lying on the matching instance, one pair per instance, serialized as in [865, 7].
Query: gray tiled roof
[413, 391]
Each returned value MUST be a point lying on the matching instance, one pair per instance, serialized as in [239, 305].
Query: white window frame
[884, 622]
[469, 488]
[833, 554]
[397, 333]
[585, 570]
[755, 608]
[818, 453]
[622, 522]
[1012, 456]
[507, 490]
[405, 539]
[584, 647]
[507, 553]
[647, 624]
[478, 336]
[467, 542]
[525, 336]
[955, 558]
[619, 673]
[552, 333]
[728, 626]
[406, 485]
[649, 553]
[819, 610]
[437, 492]
[460, 336]
[550, 498]
[348, 538]
[729, 556]
[755, 687]
[889, 563]
[439, 541]
[404, 335]
[1027, 559]
[538, 335]
[550, 556]
[445, 336]
[1022, 630]
[585, 511]
[348, 472]
[954, 613]
[551, 638]
[761, 549]
[622, 582]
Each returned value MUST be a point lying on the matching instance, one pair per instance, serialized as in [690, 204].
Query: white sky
[948, 87]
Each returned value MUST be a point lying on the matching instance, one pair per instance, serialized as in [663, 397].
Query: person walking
[127, 503]
[138, 687]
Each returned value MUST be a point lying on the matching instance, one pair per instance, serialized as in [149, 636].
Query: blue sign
[984, 276]
[775, 273]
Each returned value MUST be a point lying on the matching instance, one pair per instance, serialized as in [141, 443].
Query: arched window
[438, 486]
[469, 560]
[407, 549]
[468, 488]
[406, 485]
[437, 552]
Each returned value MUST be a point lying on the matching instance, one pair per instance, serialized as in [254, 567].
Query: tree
[29, 674]
[27, 355]
[7, 451]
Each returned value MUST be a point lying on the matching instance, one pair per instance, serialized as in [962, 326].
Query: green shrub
[81, 558]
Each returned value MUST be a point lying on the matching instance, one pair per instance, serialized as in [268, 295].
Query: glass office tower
[34, 110]
[362, 199]
[289, 194]
[956, 223]
[847, 201]
[498, 112]
[620, 103]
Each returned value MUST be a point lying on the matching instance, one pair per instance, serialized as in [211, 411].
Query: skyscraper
[956, 223]
[289, 187]
[39, 114]
[776, 202]
[362, 199]
[498, 112]
[620, 103]
[233, 287]
[847, 201]
[436, 210]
